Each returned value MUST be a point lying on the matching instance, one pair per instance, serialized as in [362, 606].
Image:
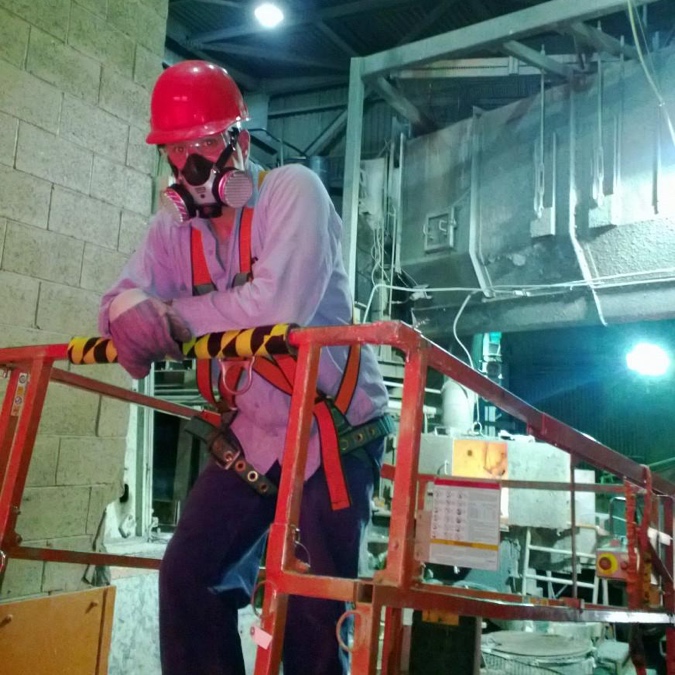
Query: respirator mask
[204, 184]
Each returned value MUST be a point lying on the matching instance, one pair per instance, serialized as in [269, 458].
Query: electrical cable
[407, 289]
[513, 290]
[640, 24]
[475, 413]
[454, 327]
[648, 74]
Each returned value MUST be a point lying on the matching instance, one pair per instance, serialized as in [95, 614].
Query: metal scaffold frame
[399, 585]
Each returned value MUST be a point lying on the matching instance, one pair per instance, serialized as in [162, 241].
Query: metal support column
[350, 195]
[392, 642]
[366, 638]
[282, 537]
[400, 552]
[30, 390]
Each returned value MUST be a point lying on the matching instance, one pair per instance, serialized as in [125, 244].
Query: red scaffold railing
[399, 584]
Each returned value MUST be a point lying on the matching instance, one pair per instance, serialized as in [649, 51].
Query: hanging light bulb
[268, 15]
[648, 359]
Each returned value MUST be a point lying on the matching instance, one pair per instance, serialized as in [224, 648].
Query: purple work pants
[219, 542]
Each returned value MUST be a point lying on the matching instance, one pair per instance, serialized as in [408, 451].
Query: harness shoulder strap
[202, 284]
[245, 233]
[201, 277]
[233, 374]
[245, 257]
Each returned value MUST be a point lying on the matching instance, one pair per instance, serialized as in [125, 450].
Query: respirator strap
[228, 151]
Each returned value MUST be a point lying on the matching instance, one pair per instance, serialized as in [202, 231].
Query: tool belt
[228, 454]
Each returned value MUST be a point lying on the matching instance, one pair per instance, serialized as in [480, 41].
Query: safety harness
[336, 435]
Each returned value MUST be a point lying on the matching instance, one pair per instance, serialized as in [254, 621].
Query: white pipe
[458, 405]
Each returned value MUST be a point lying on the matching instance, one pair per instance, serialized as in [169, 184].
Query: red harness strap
[245, 234]
[202, 284]
[279, 372]
[228, 381]
[201, 277]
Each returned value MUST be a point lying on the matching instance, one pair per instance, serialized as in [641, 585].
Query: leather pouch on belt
[229, 455]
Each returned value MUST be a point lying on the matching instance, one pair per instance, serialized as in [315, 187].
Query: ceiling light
[648, 359]
[268, 15]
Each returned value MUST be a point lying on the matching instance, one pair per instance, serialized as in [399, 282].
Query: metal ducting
[558, 209]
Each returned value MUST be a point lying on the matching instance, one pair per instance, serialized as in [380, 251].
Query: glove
[144, 330]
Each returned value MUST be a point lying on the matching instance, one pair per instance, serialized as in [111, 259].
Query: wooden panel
[64, 633]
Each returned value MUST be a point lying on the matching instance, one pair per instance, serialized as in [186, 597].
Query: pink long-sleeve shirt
[298, 277]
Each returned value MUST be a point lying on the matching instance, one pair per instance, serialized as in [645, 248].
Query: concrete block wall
[76, 182]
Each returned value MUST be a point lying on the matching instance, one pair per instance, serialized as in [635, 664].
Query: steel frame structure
[500, 34]
[398, 586]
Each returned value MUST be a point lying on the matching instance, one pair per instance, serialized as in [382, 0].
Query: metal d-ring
[338, 628]
[256, 588]
[248, 369]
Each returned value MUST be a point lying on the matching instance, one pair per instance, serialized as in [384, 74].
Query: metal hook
[225, 365]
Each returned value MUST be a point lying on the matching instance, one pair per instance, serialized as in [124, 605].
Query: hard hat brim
[162, 137]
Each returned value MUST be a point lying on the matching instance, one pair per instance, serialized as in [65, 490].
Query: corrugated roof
[320, 36]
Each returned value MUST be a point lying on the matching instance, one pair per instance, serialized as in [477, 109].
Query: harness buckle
[228, 458]
[225, 365]
[224, 452]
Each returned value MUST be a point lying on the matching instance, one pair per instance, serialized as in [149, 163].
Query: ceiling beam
[328, 135]
[393, 96]
[336, 39]
[528, 55]
[430, 18]
[278, 56]
[301, 18]
[490, 34]
[176, 32]
[388, 91]
[222, 3]
[338, 126]
[493, 66]
[306, 110]
[601, 41]
[292, 85]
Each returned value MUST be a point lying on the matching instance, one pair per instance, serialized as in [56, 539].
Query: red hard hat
[193, 99]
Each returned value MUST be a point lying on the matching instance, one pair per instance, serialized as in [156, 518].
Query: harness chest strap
[280, 372]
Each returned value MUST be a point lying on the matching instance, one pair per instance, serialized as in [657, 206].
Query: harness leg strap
[228, 454]
[331, 458]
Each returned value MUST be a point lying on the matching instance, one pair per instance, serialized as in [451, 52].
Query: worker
[231, 249]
